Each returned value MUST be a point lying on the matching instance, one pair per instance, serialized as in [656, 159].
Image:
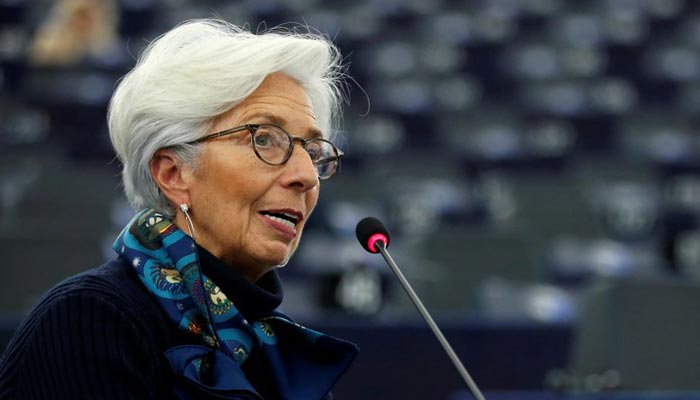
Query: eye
[270, 137]
[262, 139]
[320, 151]
[314, 152]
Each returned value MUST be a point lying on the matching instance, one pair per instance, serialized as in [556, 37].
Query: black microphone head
[369, 231]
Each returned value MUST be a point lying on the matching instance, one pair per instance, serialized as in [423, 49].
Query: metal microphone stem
[433, 326]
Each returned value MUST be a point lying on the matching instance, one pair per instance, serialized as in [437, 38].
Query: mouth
[287, 217]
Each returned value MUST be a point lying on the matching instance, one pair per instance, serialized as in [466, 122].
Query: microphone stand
[433, 326]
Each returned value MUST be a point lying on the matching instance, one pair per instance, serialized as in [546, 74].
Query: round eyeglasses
[274, 146]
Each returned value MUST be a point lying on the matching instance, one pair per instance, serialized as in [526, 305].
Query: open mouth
[287, 218]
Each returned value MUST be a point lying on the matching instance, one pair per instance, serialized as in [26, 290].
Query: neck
[252, 274]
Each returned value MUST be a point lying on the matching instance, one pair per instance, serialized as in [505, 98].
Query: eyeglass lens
[275, 146]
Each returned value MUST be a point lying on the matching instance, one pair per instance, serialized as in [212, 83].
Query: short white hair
[199, 70]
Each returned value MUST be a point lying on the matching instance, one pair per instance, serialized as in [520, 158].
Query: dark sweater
[101, 335]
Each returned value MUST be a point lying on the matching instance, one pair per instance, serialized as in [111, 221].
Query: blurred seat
[495, 21]
[13, 46]
[459, 261]
[496, 195]
[453, 27]
[625, 23]
[364, 32]
[543, 58]
[376, 135]
[12, 11]
[345, 199]
[664, 9]
[325, 19]
[54, 87]
[578, 26]
[391, 58]
[575, 261]
[612, 96]
[688, 99]
[680, 208]
[541, 9]
[686, 254]
[136, 16]
[419, 190]
[689, 29]
[586, 98]
[75, 101]
[33, 265]
[406, 97]
[53, 223]
[628, 210]
[500, 299]
[486, 138]
[549, 142]
[565, 97]
[18, 175]
[672, 61]
[638, 335]
[658, 137]
[22, 125]
[420, 206]
[455, 93]
[404, 9]
[488, 135]
[549, 205]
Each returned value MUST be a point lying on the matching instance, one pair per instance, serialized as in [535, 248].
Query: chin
[282, 254]
[280, 261]
[282, 264]
[274, 261]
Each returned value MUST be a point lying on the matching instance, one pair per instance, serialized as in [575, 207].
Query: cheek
[226, 178]
[312, 199]
[238, 195]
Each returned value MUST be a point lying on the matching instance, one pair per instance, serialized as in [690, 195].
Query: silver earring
[185, 208]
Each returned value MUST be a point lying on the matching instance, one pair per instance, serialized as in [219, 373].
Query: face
[239, 204]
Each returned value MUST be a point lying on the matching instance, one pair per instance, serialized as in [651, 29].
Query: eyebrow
[272, 119]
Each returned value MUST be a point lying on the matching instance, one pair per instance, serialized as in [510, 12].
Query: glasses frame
[253, 128]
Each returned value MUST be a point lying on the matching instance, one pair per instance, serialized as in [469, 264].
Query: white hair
[199, 70]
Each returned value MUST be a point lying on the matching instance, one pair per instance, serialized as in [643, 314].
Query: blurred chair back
[639, 335]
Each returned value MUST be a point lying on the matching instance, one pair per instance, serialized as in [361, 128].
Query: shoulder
[98, 326]
[108, 293]
[87, 302]
[112, 286]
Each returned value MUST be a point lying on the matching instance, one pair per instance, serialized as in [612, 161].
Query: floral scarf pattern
[167, 263]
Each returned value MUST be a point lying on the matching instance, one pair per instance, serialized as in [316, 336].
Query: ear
[171, 176]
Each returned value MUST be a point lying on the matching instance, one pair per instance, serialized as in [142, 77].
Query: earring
[185, 211]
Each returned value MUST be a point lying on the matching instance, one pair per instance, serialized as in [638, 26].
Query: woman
[222, 137]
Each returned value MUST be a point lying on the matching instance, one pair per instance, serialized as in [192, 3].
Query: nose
[299, 170]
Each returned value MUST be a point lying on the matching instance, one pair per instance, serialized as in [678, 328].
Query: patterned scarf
[167, 263]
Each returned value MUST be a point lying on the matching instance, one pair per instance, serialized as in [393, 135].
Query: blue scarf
[297, 362]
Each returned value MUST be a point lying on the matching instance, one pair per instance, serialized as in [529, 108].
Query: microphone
[369, 232]
[374, 237]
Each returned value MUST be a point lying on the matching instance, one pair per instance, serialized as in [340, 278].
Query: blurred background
[537, 162]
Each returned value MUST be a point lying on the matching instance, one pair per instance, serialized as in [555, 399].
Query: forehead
[272, 119]
[279, 100]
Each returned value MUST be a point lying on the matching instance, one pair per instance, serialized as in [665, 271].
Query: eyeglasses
[274, 146]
